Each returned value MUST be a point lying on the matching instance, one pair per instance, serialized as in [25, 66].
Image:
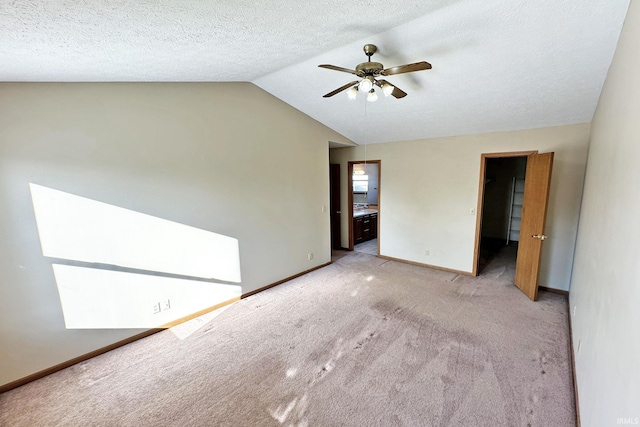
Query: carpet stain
[465, 290]
[328, 366]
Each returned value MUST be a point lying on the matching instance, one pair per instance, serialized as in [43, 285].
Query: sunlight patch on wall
[80, 229]
[110, 240]
[106, 299]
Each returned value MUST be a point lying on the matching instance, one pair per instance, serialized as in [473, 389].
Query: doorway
[363, 187]
[532, 212]
[501, 212]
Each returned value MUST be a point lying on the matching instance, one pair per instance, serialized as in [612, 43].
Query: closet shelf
[515, 209]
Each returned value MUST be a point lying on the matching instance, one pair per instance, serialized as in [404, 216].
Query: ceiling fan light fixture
[352, 92]
[366, 84]
[372, 96]
[387, 89]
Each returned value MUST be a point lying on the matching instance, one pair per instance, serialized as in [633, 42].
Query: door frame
[479, 210]
[335, 210]
[350, 197]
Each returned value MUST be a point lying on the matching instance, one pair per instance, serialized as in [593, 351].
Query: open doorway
[525, 221]
[502, 178]
[502, 212]
[364, 206]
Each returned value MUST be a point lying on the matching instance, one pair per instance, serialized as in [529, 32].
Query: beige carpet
[362, 342]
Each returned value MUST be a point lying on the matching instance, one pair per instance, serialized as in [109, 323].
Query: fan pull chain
[365, 136]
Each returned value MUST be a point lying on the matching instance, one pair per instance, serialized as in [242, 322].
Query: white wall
[427, 188]
[605, 286]
[227, 158]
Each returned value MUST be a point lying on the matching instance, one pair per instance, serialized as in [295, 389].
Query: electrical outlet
[427, 252]
[324, 208]
[310, 256]
[161, 306]
[574, 310]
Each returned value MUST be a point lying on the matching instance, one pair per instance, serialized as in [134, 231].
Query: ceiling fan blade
[340, 89]
[334, 67]
[397, 93]
[409, 68]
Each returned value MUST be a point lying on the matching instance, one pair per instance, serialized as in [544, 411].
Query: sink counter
[360, 212]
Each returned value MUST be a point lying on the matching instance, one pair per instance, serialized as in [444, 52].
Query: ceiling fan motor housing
[369, 69]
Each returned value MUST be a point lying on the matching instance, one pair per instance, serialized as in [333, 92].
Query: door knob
[339, 212]
[539, 236]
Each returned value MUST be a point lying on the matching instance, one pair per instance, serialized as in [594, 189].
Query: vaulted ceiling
[497, 64]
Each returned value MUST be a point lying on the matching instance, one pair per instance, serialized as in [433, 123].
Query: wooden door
[534, 214]
[334, 205]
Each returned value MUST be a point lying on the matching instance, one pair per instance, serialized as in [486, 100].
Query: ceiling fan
[369, 73]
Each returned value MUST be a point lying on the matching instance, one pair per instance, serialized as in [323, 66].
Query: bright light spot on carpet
[291, 372]
[186, 329]
[370, 278]
[281, 413]
[293, 413]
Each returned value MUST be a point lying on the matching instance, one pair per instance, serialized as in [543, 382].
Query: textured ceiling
[497, 64]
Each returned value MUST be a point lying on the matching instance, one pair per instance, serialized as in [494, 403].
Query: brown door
[534, 214]
[334, 205]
